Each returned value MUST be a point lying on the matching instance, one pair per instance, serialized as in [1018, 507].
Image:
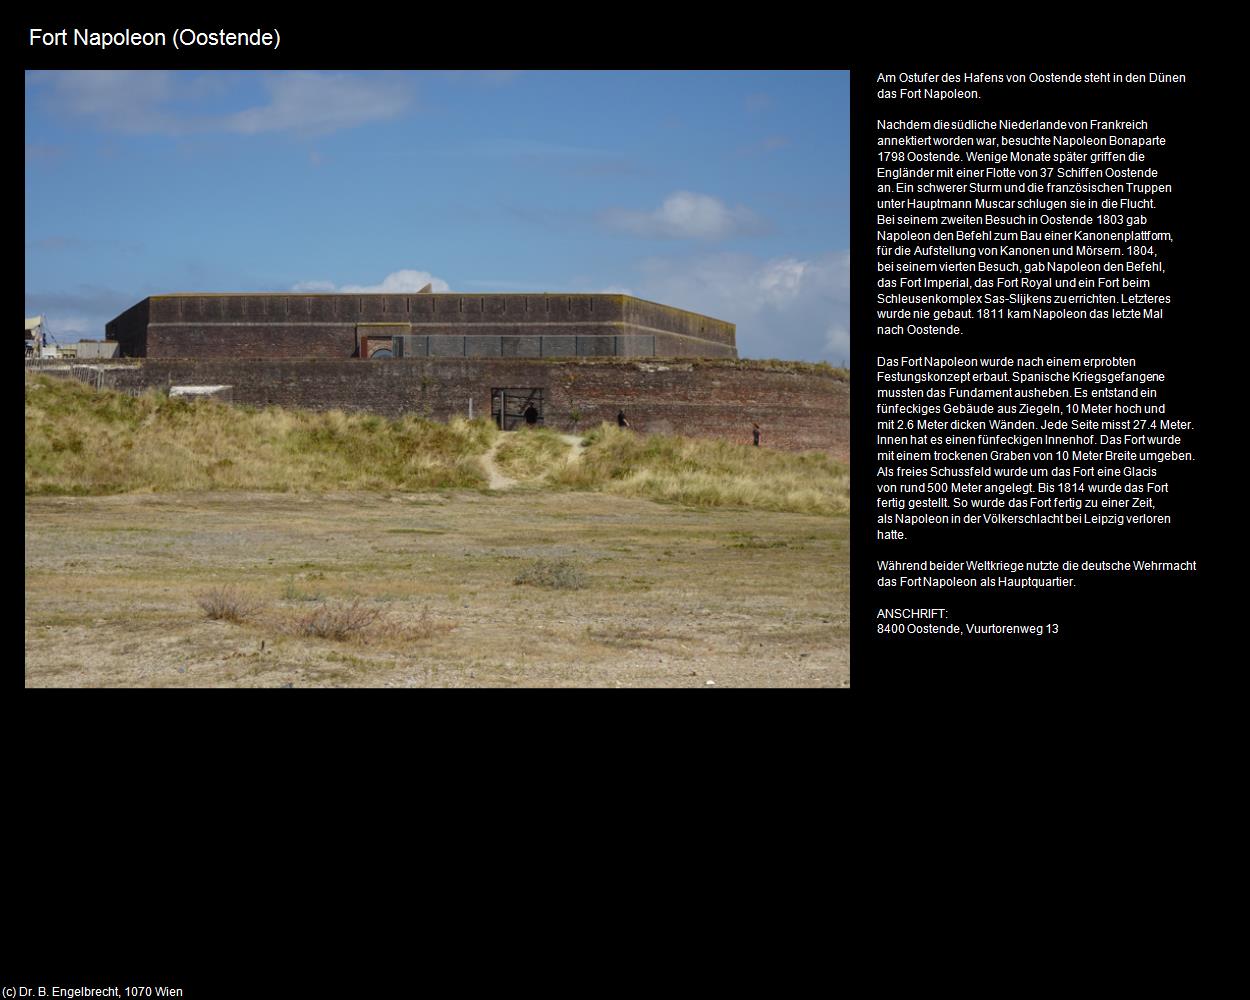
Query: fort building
[562, 360]
[418, 325]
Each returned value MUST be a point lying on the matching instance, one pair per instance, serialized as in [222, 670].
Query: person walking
[755, 433]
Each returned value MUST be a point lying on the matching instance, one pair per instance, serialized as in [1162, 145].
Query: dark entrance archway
[513, 408]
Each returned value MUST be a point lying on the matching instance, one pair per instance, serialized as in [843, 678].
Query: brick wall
[650, 317]
[801, 409]
[328, 326]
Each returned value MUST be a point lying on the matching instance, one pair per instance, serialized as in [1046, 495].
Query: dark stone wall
[130, 330]
[328, 326]
[252, 340]
[798, 409]
[652, 316]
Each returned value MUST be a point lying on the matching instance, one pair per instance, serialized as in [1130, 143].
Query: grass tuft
[360, 623]
[337, 621]
[555, 574]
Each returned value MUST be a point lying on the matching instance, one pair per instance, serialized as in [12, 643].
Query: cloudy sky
[722, 192]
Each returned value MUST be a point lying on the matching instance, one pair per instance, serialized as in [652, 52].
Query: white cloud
[130, 101]
[321, 102]
[145, 102]
[785, 307]
[397, 282]
[686, 215]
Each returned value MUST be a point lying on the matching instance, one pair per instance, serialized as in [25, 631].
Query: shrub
[229, 604]
[556, 574]
[337, 621]
[426, 626]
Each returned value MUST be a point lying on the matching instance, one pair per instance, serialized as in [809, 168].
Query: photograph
[437, 379]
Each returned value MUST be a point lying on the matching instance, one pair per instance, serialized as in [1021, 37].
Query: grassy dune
[83, 441]
[693, 471]
[532, 453]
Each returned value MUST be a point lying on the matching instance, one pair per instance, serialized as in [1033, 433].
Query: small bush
[337, 621]
[426, 626]
[228, 604]
[557, 574]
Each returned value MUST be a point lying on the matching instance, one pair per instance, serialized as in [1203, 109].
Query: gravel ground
[672, 597]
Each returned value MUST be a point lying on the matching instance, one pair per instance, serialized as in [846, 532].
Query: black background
[157, 824]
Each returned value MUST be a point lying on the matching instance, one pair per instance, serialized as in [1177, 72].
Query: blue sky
[722, 192]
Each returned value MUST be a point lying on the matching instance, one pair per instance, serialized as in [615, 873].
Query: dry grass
[355, 621]
[704, 473]
[426, 626]
[672, 599]
[337, 621]
[555, 574]
[83, 441]
[229, 604]
[291, 592]
[694, 471]
[531, 453]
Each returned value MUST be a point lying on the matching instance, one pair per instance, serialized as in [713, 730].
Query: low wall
[799, 407]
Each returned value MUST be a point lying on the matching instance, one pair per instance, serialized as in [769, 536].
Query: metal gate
[513, 408]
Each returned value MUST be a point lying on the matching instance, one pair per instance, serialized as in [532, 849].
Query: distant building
[96, 349]
[35, 336]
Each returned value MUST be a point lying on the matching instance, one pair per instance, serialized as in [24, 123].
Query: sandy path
[575, 442]
[496, 479]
